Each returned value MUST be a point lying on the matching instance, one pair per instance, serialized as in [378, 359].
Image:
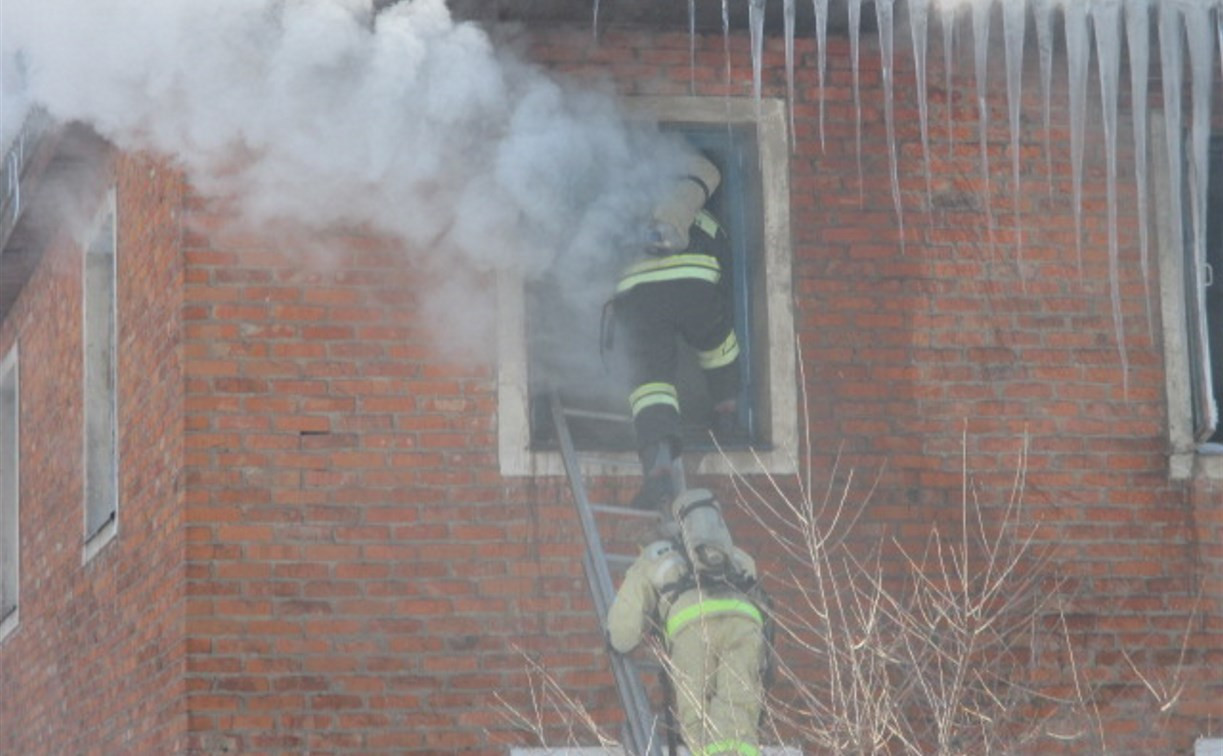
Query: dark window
[9, 487]
[101, 376]
[1209, 376]
[564, 337]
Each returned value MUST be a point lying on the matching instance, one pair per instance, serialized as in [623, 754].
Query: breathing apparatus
[703, 531]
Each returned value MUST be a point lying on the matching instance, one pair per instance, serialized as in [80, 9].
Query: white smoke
[318, 113]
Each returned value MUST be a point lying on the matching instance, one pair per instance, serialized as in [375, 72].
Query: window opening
[10, 544]
[1206, 373]
[101, 443]
[563, 334]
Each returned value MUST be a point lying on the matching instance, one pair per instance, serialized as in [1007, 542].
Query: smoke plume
[324, 113]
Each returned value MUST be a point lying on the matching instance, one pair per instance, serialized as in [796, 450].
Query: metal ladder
[641, 725]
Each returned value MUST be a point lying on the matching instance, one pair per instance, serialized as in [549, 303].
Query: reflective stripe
[728, 746]
[677, 621]
[720, 355]
[707, 223]
[649, 394]
[670, 268]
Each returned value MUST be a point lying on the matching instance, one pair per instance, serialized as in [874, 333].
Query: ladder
[641, 725]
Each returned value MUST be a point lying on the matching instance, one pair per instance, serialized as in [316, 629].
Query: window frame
[10, 491]
[1187, 457]
[778, 454]
[100, 380]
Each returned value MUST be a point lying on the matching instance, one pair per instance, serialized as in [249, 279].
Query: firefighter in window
[675, 290]
[699, 593]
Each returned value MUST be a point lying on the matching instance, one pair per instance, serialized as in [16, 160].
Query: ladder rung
[651, 514]
[614, 417]
[605, 461]
[620, 560]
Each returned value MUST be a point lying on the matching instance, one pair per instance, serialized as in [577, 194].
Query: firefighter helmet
[676, 211]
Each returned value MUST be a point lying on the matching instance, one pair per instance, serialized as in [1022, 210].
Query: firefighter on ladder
[700, 594]
[674, 290]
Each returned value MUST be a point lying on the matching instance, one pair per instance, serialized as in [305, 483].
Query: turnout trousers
[653, 316]
[716, 678]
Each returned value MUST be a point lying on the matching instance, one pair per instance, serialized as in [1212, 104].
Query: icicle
[821, 42]
[1013, 17]
[947, 16]
[1042, 12]
[855, 23]
[1138, 31]
[788, 14]
[918, 13]
[756, 22]
[1075, 13]
[980, 25]
[884, 15]
[691, 46]
[1106, 20]
[726, 45]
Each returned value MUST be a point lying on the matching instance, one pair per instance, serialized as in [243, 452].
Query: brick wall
[96, 664]
[356, 566]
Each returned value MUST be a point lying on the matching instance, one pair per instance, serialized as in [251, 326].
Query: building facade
[324, 533]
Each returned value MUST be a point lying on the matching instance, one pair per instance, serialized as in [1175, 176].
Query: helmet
[666, 565]
[675, 212]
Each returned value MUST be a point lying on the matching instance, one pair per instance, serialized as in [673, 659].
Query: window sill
[603, 464]
[9, 623]
[1204, 463]
[98, 540]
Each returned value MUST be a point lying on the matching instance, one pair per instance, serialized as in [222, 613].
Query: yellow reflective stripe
[728, 746]
[711, 606]
[670, 268]
[650, 394]
[723, 354]
[707, 223]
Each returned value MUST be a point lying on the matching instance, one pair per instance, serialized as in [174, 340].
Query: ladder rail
[641, 719]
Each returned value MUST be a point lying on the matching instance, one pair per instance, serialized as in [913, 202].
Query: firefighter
[699, 593]
[675, 290]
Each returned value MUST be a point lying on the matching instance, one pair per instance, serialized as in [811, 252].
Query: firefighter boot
[655, 492]
[726, 429]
